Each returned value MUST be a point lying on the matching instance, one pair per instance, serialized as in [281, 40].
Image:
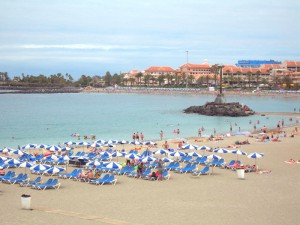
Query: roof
[292, 63]
[196, 66]
[160, 69]
[271, 66]
[235, 69]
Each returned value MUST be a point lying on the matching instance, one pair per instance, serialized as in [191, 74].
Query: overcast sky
[94, 36]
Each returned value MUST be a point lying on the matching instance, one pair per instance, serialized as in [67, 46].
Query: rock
[233, 109]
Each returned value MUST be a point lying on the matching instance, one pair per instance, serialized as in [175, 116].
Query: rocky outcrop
[233, 109]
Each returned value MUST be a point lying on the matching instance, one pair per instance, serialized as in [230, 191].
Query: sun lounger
[175, 166]
[73, 174]
[17, 180]
[38, 180]
[201, 172]
[110, 180]
[182, 170]
[100, 180]
[220, 163]
[168, 167]
[43, 186]
[8, 175]
[8, 180]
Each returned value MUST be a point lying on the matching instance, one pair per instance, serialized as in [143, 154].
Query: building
[255, 63]
[291, 66]
[159, 70]
[196, 70]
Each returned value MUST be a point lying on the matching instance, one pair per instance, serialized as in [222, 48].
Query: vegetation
[230, 81]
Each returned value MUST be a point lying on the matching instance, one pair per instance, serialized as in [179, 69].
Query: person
[153, 176]
[97, 174]
[142, 137]
[137, 136]
[215, 131]
[264, 129]
[160, 165]
[2, 172]
[128, 162]
[161, 134]
[165, 145]
[180, 145]
[133, 137]
[140, 170]
[178, 131]
[199, 132]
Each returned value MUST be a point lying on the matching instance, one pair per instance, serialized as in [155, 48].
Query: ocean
[53, 118]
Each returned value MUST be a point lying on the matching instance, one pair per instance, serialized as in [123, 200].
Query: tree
[107, 78]
[207, 80]
[161, 79]
[191, 78]
[177, 79]
[240, 81]
[116, 79]
[200, 80]
[147, 78]
[131, 80]
[287, 80]
[249, 76]
[139, 77]
[258, 73]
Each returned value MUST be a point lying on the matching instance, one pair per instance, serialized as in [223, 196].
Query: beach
[220, 198]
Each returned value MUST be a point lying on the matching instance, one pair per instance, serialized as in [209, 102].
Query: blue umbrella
[26, 165]
[29, 146]
[123, 142]
[52, 170]
[221, 150]
[190, 147]
[177, 154]
[3, 166]
[12, 162]
[238, 152]
[113, 165]
[148, 159]
[42, 146]
[161, 152]
[150, 143]
[39, 167]
[136, 143]
[132, 156]
[53, 148]
[96, 145]
[4, 150]
[65, 149]
[70, 143]
[255, 156]
[167, 160]
[194, 154]
[19, 152]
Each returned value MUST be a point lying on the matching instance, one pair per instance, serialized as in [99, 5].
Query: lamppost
[187, 67]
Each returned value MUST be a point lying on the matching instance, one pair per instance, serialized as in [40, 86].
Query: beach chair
[17, 180]
[154, 164]
[175, 166]
[68, 175]
[36, 186]
[201, 172]
[129, 170]
[229, 164]
[110, 180]
[121, 171]
[38, 180]
[213, 163]
[8, 175]
[182, 170]
[220, 163]
[188, 159]
[8, 179]
[168, 167]
[100, 180]
[165, 175]
[191, 169]
[203, 160]
[53, 185]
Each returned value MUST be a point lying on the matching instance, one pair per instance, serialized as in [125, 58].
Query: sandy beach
[220, 198]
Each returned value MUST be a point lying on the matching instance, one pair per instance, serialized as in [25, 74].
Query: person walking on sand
[142, 137]
[199, 132]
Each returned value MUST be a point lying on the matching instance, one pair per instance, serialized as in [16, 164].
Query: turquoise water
[52, 118]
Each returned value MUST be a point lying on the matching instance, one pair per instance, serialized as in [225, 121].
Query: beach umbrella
[3, 166]
[194, 154]
[41, 146]
[177, 154]
[5, 150]
[101, 141]
[161, 152]
[96, 145]
[109, 145]
[26, 165]
[167, 159]
[66, 157]
[238, 152]
[52, 170]
[136, 143]
[190, 147]
[39, 167]
[70, 143]
[255, 156]
[107, 154]
[150, 143]
[66, 149]
[117, 154]
[19, 152]
[221, 150]
[12, 162]
[123, 142]
[93, 163]
[53, 148]
[113, 165]
[2, 158]
[132, 156]
[29, 146]
[213, 156]
[148, 159]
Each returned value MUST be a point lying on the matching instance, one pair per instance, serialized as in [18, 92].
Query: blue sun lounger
[38, 180]
[100, 180]
[18, 179]
[8, 175]
[201, 172]
[110, 180]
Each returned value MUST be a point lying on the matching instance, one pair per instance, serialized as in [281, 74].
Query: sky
[94, 36]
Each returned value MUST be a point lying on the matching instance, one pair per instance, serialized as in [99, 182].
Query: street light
[187, 67]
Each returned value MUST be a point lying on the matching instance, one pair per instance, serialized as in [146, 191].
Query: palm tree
[131, 80]
[147, 79]
[161, 79]
[200, 80]
[258, 73]
[249, 75]
[287, 80]
[191, 78]
[177, 79]
[139, 77]
[240, 81]
[207, 80]
[125, 80]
